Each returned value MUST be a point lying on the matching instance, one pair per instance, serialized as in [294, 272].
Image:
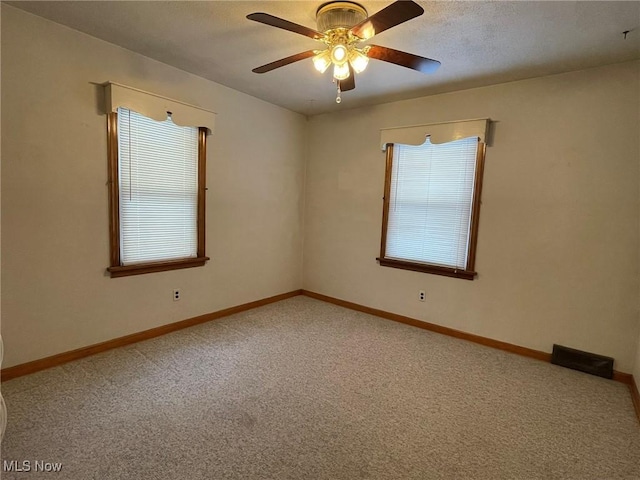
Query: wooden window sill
[424, 268]
[142, 268]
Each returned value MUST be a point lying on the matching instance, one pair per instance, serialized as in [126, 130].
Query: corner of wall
[303, 214]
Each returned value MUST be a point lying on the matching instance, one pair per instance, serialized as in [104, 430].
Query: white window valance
[156, 106]
[437, 132]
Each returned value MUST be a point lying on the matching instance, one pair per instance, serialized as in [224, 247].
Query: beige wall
[636, 369]
[56, 296]
[559, 226]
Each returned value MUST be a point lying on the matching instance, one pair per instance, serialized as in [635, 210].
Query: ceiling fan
[342, 26]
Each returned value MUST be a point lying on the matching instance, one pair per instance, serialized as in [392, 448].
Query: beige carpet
[302, 389]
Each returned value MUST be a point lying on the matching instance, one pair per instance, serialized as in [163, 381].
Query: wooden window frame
[468, 273]
[116, 269]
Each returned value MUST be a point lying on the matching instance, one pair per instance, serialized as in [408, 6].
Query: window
[431, 206]
[157, 189]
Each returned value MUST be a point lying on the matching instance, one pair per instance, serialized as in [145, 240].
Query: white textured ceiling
[479, 43]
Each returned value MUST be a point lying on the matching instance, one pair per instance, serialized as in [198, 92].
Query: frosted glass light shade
[339, 54]
[341, 72]
[358, 60]
[322, 61]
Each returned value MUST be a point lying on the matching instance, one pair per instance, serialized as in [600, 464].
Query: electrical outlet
[422, 295]
[176, 295]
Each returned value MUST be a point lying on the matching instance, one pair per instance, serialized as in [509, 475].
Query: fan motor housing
[332, 15]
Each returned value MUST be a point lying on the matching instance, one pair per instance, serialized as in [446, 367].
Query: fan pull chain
[338, 98]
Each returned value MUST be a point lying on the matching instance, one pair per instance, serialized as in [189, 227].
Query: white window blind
[430, 202]
[158, 179]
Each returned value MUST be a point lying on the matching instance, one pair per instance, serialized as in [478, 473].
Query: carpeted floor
[302, 389]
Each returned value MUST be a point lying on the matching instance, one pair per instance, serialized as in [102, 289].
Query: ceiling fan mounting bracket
[334, 15]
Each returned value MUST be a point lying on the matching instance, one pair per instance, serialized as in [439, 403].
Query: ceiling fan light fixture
[322, 61]
[358, 60]
[342, 26]
[341, 72]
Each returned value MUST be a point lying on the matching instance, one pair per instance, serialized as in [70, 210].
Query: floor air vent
[584, 361]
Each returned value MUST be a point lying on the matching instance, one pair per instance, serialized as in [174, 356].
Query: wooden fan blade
[404, 59]
[284, 61]
[348, 83]
[285, 25]
[390, 16]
